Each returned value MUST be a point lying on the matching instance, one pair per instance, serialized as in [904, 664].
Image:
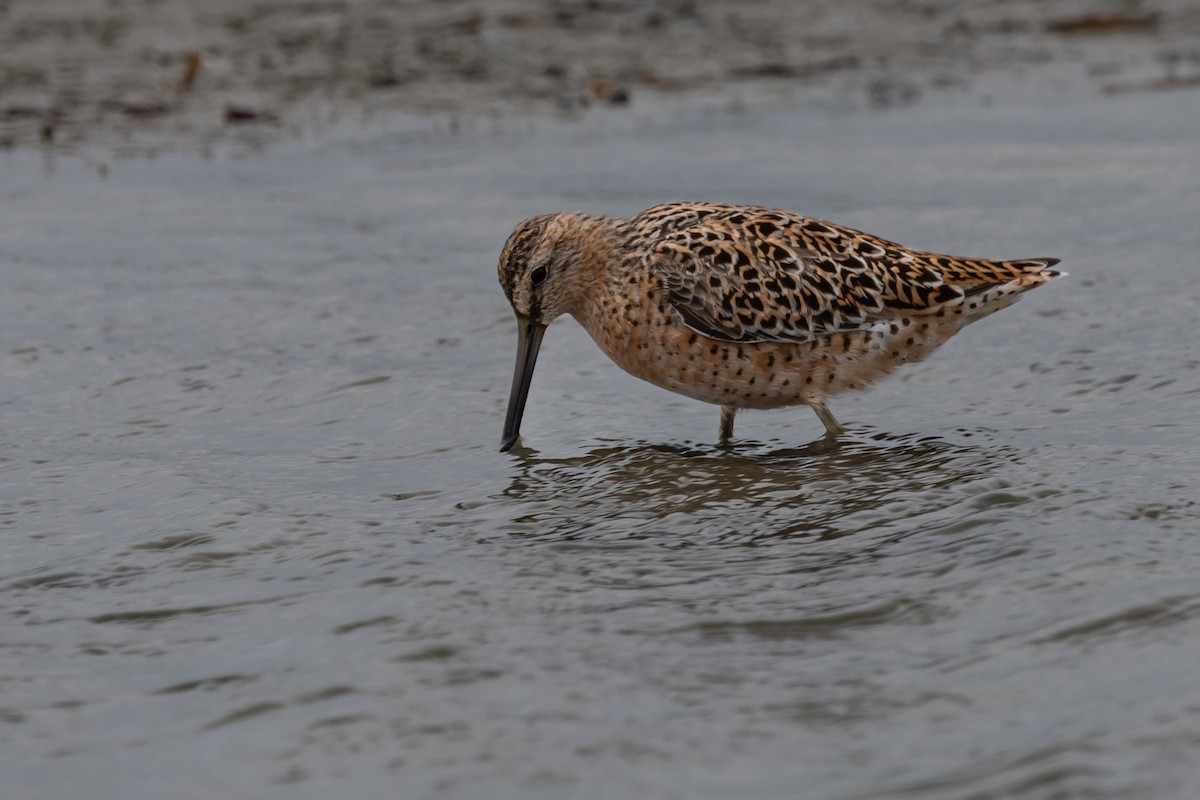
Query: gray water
[258, 540]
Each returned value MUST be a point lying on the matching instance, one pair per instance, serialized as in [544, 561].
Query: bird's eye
[538, 275]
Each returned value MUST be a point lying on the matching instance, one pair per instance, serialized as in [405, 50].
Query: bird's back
[747, 273]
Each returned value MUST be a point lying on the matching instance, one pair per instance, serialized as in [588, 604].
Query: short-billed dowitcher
[742, 306]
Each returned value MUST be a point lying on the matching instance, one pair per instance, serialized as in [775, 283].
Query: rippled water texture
[258, 539]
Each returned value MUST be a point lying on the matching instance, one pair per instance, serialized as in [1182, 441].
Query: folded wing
[757, 274]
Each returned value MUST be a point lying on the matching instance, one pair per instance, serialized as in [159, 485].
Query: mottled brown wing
[755, 274]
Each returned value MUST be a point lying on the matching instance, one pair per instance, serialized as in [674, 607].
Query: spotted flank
[742, 306]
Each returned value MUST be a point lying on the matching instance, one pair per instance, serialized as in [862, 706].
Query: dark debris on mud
[136, 77]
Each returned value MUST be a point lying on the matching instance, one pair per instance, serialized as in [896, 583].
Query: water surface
[259, 542]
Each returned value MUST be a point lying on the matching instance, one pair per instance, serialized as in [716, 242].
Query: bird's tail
[975, 275]
[1000, 284]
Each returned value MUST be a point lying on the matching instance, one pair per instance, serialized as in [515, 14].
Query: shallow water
[259, 542]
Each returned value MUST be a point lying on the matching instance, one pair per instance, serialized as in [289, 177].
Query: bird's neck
[602, 260]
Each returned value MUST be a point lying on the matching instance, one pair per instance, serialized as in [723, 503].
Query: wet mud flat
[138, 77]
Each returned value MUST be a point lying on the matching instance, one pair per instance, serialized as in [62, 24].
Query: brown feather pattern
[752, 274]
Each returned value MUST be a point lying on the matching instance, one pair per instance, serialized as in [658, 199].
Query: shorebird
[743, 306]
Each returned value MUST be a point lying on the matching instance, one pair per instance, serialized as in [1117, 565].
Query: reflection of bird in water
[741, 306]
[704, 494]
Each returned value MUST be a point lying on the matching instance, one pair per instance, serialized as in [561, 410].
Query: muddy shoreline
[142, 77]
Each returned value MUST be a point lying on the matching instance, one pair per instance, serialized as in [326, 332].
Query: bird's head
[538, 264]
[538, 271]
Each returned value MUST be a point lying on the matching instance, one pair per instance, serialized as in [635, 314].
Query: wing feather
[750, 274]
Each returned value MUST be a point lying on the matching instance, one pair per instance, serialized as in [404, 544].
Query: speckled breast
[646, 338]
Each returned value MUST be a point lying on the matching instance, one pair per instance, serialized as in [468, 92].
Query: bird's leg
[727, 413]
[832, 426]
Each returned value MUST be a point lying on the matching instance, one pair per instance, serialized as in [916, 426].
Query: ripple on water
[870, 484]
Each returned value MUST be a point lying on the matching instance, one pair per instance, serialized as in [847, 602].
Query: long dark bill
[529, 339]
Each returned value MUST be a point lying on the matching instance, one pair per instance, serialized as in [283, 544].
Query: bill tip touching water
[743, 306]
